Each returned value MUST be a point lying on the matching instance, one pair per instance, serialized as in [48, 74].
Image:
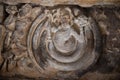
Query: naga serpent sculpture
[49, 42]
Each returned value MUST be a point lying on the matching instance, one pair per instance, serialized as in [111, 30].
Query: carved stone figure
[57, 42]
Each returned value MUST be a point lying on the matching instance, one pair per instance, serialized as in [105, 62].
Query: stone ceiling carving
[57, 39]
[51, 42]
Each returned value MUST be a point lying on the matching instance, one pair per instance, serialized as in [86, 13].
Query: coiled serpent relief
[52, 40]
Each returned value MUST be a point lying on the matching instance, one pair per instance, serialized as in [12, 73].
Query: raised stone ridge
[83, 3]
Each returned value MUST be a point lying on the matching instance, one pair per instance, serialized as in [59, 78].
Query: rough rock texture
[85, 3]
[39, 42]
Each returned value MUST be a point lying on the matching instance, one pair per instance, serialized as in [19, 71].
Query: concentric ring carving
[63, 39]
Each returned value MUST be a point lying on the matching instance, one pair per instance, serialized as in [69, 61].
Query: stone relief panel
[62, 40]
[17, 26]
[50, 42]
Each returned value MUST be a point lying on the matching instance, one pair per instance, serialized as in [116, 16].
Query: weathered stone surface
[84, 3]
[50, 40]
[1, 13]
[60, 42]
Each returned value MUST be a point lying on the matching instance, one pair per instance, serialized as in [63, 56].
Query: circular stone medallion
[62, 40]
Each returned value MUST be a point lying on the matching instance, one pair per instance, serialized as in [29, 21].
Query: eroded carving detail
[51, 40]
[17, 25]
[63, 39]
